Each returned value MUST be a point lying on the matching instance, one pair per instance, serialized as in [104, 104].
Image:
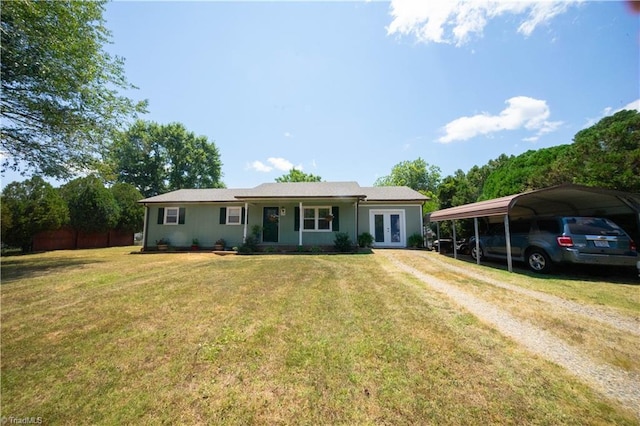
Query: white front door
[387, 228]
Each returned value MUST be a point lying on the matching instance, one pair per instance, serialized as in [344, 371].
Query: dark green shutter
[336, 218]
[296, 219]
[160, 215]
[181, 214]
[242, 217]
[223, 215]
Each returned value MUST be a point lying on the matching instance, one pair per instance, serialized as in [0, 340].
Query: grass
[104, 337]
[602, 342]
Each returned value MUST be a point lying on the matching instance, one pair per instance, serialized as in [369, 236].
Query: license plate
[599, 243]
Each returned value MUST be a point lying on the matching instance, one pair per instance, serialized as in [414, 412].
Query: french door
[387, 228]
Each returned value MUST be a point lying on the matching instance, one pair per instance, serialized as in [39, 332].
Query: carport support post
[507, 236]
[455, 250]
[475, 228]
[438, 235]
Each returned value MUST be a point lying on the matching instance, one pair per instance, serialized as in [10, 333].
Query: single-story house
[288, 214]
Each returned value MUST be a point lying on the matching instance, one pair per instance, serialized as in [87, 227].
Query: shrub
[342, 242]
[365, 240]
[415, 240]
[250, 245]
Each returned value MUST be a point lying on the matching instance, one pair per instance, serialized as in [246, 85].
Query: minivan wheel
[474, 254]
[539, 261]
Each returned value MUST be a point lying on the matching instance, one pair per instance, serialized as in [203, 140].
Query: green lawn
[105, 337]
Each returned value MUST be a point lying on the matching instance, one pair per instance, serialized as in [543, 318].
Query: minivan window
[519, 227]
[549, 225]
[592, 226]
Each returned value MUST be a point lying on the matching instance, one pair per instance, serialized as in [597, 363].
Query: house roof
[204, 195]
[393, 193]
[563, 199]
[291, 190]
[306, 190]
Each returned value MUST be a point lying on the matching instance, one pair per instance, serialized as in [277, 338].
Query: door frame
[387, 215]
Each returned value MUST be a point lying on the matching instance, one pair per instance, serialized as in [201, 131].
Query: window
[234, 215]
[317, 219]
[171, 215]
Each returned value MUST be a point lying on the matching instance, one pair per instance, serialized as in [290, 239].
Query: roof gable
[305, 190]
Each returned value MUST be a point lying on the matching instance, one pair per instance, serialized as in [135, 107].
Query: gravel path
[612, 319]
[613, 382]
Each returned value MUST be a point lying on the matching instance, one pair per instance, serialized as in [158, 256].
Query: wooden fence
[70, 239]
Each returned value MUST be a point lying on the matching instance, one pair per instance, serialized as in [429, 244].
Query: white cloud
[276, 163]
[521, 112]
[455, 21]
[259, 166]
[288, 135]
[633, 105]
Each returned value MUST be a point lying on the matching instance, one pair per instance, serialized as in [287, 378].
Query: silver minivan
[542, 242]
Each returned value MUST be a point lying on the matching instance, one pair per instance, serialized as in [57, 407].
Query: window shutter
[296, 219]
[223, 215]
[242, 216]
[336, 221]
[160, 215]
[181, 214]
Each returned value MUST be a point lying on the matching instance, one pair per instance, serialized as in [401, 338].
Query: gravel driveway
[611, 381]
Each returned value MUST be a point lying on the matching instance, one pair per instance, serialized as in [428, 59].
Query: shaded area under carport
[563, 200]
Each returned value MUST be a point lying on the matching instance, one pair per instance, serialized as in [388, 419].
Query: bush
[415, 240]
[365, 240]
[342, 242]
[250, 245]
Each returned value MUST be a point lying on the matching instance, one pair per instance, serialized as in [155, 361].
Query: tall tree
[296, 175]
[30, 207]
[92, 207]
[417, 174]
[607, 154]
[131, 216]
[60, 88]
[159, 158]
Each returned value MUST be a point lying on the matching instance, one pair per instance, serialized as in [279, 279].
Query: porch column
[355, 237]
[301, 224]
[144, 228]
[246, 222]
[507, 236]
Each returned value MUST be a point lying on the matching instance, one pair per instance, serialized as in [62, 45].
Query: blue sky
[346, 90]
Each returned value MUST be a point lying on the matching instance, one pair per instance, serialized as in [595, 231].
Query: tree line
[84, 204]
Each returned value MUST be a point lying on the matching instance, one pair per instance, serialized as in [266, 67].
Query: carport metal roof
[566, 199]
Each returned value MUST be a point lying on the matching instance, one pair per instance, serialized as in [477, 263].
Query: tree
[92, 207]
[60, 98]
[296, 175]
[522, 173]
[30, 207]
[415, 174]
[131, 212]
[159, 158]
[607, 154]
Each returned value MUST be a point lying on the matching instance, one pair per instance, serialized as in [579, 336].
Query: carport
[562, 200]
